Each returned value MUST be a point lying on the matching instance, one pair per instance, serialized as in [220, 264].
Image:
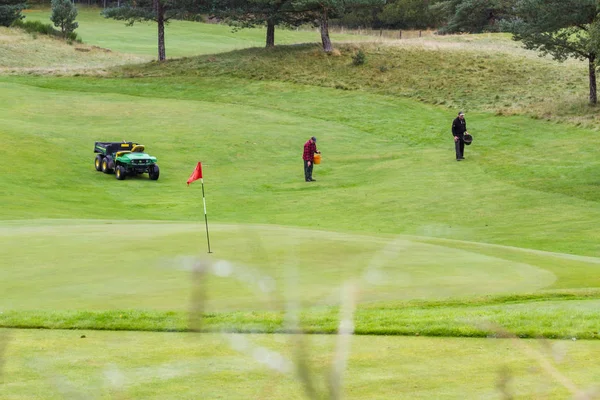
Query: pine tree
[159, 11]
[10, 11]
[251, 13]
[561, 28]
[63, 16]
[324, 10]
[474, 16]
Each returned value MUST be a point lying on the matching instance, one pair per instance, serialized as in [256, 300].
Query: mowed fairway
[505, 243]
[376, 183]
[183, 38]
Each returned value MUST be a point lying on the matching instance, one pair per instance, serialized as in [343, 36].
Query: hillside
[475, 73]
[24, 53]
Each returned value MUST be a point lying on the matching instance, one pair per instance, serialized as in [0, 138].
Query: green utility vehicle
[124, 158]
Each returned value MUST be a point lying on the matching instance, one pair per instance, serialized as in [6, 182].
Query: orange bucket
[317, 159]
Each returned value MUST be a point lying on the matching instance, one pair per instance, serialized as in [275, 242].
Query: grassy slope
[231, 124]
[488, 73]
[21, 52]
[182, 38]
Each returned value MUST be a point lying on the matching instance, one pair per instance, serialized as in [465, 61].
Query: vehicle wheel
[120, 172]
[98, 162]
[106, 166]
[154, 172]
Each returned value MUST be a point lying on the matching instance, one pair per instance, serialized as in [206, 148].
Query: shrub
[359, 58]
[37, 27]
[44, 29]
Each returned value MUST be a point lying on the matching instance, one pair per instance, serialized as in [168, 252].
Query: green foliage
[334, 8]
[145, 10]
[475, 16]
[131, 14]
[560, 28]
[159, 11]
[63, 16]
[249, 14]
[408, 14]
[360, 18]
[359, 58]
[10, 11]
[44, 29]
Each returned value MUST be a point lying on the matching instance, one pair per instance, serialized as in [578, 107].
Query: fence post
[400, 34]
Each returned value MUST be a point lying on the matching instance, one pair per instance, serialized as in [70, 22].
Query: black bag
[468, 139]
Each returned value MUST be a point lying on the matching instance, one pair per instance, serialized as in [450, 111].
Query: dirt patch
[102, 49]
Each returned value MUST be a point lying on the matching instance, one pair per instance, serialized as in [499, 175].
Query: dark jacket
[459, 127]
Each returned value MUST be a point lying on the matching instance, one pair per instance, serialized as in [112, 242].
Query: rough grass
[26, 53]
[573, 319]
[486, 72]
[469, 76]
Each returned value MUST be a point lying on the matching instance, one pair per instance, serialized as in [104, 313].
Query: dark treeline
[447, 16]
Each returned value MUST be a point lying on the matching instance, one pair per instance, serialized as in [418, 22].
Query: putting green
[96, 265]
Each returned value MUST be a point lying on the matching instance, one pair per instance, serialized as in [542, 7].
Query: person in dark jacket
[310, 148]
[459, 128]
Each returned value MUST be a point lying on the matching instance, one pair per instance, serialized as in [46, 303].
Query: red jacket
[310, 148]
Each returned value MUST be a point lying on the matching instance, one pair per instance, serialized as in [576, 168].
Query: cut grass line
[534, 316]
[465, 243]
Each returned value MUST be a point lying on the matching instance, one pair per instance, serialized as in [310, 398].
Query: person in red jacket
[310, 148]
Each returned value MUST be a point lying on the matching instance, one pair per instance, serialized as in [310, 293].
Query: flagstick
[205, 217]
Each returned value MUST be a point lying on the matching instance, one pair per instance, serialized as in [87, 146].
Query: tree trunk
[592, 69]
[270, 34]
[325, 32]
[160, 14]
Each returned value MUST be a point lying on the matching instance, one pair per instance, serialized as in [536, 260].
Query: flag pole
[205, 216]
[197, 174]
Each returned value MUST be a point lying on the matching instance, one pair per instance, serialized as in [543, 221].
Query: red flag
[197, 174]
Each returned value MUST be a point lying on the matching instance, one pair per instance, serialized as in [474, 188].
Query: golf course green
[476, 258]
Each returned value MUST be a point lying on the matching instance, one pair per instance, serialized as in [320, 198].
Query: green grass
[183, 38]
[473, 76]
[505, 243]
[521, 318]
[104, 365]
[248, 135]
